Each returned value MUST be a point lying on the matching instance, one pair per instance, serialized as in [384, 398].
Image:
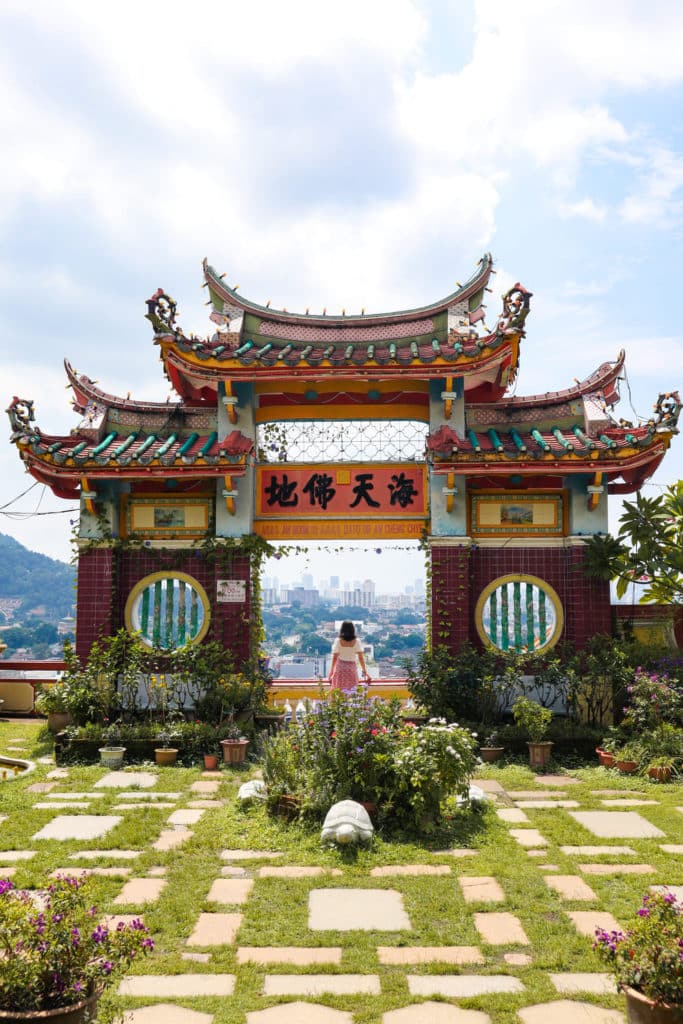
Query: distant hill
[31, 581]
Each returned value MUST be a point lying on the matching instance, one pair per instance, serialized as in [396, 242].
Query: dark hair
[347, 630]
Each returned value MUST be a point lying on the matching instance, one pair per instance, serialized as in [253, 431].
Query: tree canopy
[648, 549]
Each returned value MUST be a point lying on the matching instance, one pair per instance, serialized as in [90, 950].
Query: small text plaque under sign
[231, 591]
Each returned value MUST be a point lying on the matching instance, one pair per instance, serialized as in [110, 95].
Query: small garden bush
[359, 748]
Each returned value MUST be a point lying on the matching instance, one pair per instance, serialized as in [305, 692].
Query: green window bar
[530, 631]
[542, 629]
[493, 617]
[504, 619]
[144, 612]
[182, 599]
[194, 613]
[517, 613]
[170, 617]
[156, 622]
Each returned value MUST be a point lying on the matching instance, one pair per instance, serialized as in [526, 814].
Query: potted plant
[534, 719]
[55, 959]
[112, 753]
[234, 744]
[661, 768]
[628, 757]
[51, 700]
[491, 750]
[646, 960]
[164, 752]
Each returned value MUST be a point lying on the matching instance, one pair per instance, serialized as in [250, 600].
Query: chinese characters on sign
[391, 491]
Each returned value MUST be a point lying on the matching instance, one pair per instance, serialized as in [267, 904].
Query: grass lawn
[276, 910]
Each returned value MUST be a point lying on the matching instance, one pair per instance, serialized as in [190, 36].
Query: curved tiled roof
[603, 381]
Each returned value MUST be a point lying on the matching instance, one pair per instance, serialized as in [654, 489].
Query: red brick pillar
[451, 595]
[95, 598]
[588, 608]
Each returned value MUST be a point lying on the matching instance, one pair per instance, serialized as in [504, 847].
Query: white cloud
[584, 209]
[655, 200]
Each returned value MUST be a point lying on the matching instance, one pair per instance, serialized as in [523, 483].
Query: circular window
[168, 610]
[519, 613]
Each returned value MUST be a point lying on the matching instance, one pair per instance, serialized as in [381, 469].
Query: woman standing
[345, 649]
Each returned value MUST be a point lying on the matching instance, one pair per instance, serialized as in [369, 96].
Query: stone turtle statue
[346, 823]
[253, 790]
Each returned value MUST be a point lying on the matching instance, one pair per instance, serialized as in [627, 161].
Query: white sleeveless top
[347, 653]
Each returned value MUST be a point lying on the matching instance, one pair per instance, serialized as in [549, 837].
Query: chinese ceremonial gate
[354, 427]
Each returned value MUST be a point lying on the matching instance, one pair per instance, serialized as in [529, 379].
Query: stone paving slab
[76, 796]
[115, 872]
[177, 985]
[457, 851]
[110, 854]
[629, 801]
[205, 786]
[559, 780]
[185, 816]
[299, 1013]
[230, 871]
[566, 1011]
[296, 871]
[7, 872]
[537, 853]
[166, 1013]
[41, 787]
[586, 921]
[435, 1013]
[147, 797]
[15, 855]
[230, 890]
[82, 805]
[356, 909]
[570, 887]
[78, 826]
[215, 930]
[3, 817]
[410, 869]
[513, 816]
[548, 867]
[518, 959]
[249, 854]
[461, 986]
[157, 872]
[137, 806]
[320, 984]
[205, 805]
[59, 773]
[500, 929]
[301, 956]
[677, 890]
[618, 792]
[547, 805]
[598, 851]
[482, 889]
[671, 847]
[535, 794]
[570, 984]
[528, 837]
[617, 824]
[489, 785]
[617, 869]
[170, 838]
[429, 954]
[141, 890]
[122, 780]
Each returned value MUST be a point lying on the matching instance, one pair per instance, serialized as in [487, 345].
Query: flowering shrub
[648, 956]
[359, 748]
[53, 950]
[652, 699]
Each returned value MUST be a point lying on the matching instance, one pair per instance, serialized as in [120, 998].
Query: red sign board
[383, 491]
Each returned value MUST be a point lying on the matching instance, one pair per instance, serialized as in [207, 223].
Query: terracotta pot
[58, 720]
[112, 757]
[288, 806]
[539, 753]
[604, 757]
[77, 1013]
[369, 805]
[491, 754]
[641, 1010]
[234, 751]
[627, 767]
[660, 773]
[165, 755]
[211, 762]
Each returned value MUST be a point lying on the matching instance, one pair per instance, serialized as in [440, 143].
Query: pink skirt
[345, 675]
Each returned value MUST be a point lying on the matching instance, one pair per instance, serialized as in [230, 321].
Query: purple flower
[100, 933]
[107, 967]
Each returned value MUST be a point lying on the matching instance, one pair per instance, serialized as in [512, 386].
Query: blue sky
[339, 155]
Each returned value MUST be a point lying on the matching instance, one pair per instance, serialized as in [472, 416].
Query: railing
[18, 681]
[302, 689]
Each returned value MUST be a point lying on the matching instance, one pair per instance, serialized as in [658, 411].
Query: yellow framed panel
[517, 514]
[165, 516]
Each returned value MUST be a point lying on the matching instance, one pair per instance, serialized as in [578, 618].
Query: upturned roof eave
[474, 284]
